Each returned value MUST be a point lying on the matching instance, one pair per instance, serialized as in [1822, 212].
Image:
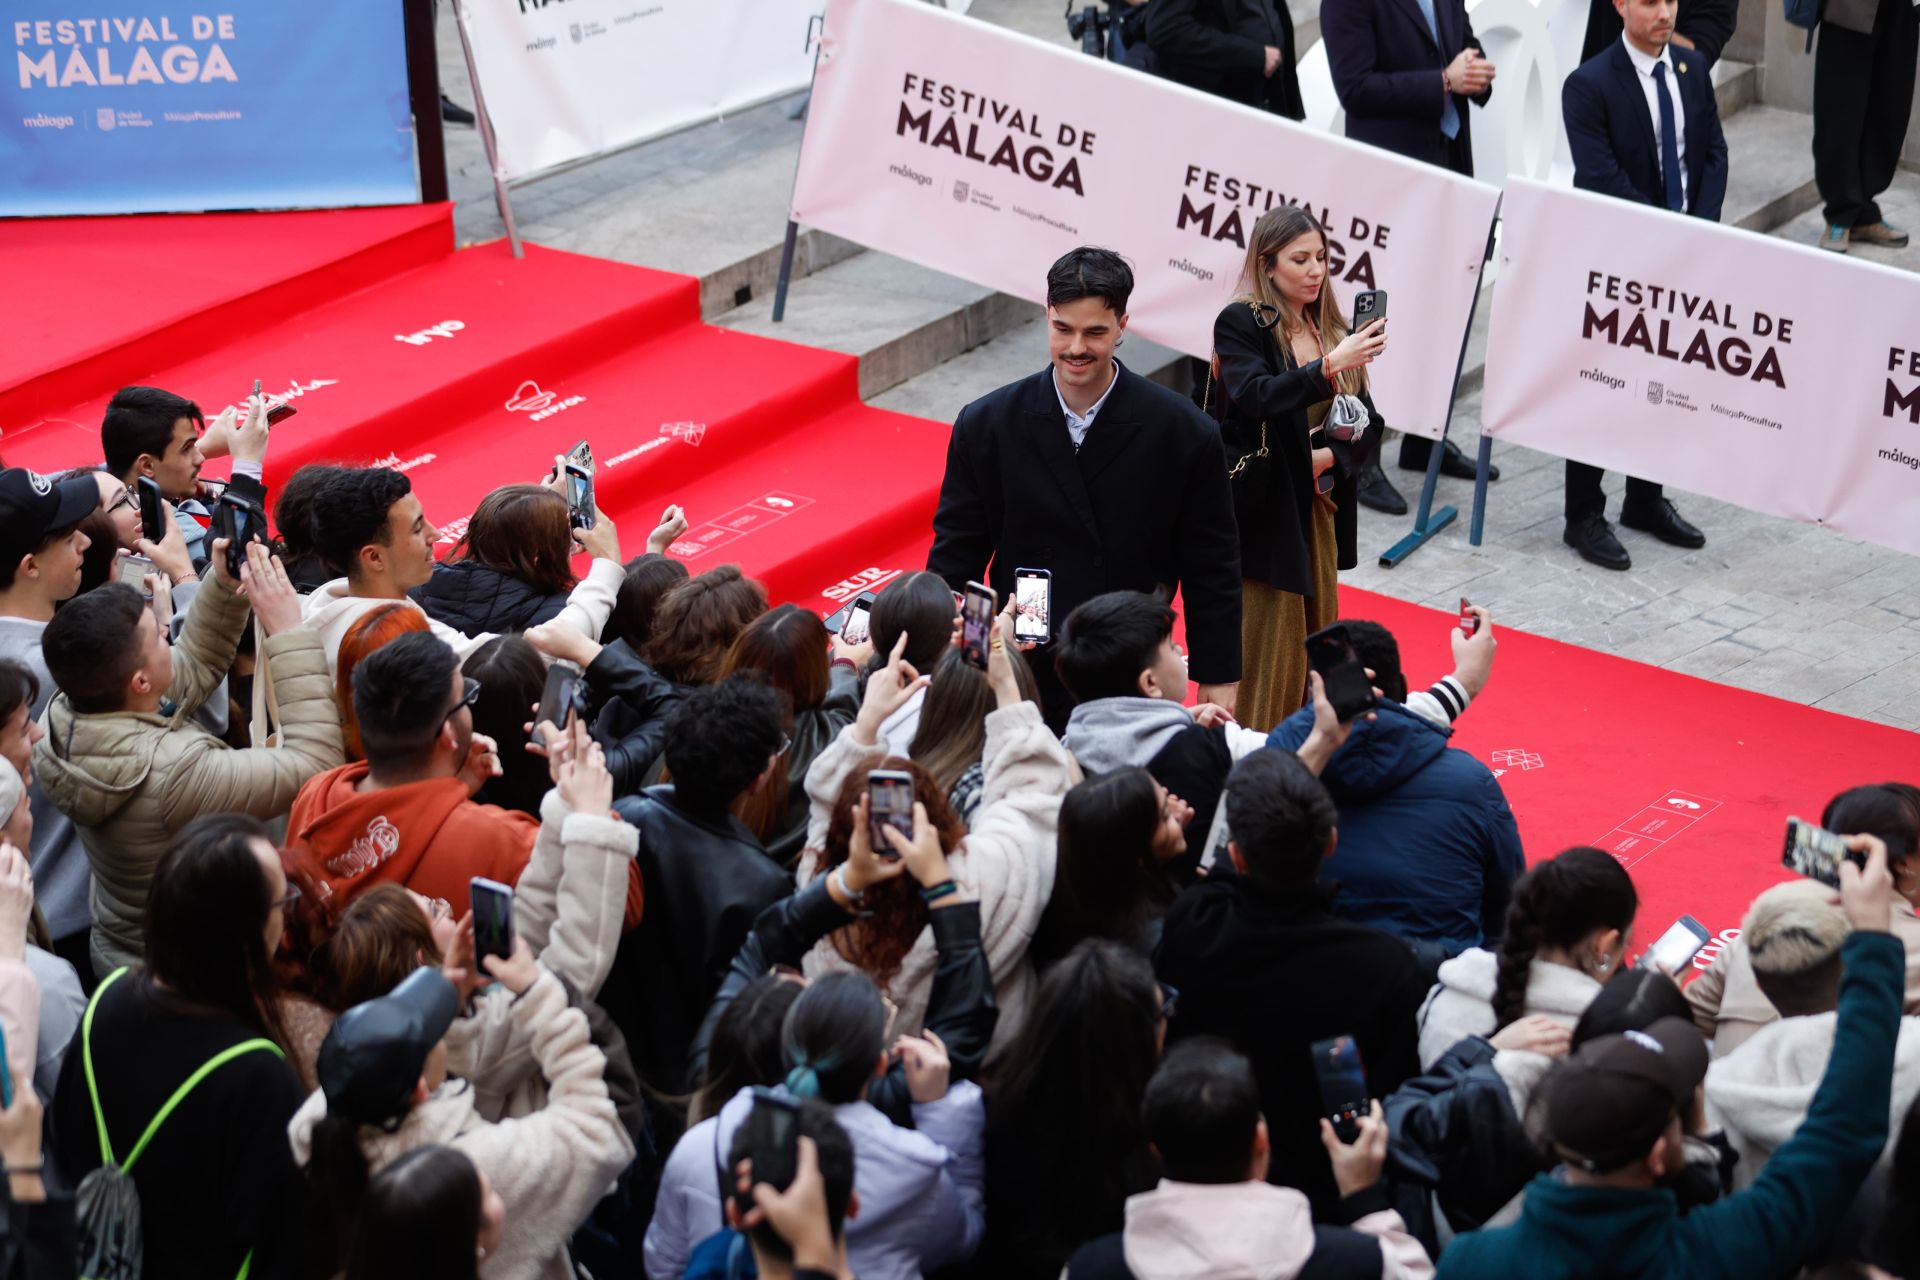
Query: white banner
[567, 80]
[1740, 366]
[988, 154]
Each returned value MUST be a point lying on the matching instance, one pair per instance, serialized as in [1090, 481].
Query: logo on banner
[573, 30]
[959, 193]
[104, 118]
[1676, 325]
[990, 133]
[540, 405]
[1654, 392]
[420, 338]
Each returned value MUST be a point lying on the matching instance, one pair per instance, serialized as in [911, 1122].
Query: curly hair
[879, 942]
[1557, 904]
[696, 623]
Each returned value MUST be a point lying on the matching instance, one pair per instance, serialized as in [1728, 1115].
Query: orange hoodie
[428, 836]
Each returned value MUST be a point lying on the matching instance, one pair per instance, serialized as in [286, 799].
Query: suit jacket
[1386, 70]
[1708, 23]
[1220, 47]
[1614, 139]
[1273, 501]
[1143, 504]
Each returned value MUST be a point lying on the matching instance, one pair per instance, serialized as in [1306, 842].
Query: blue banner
[146, 106]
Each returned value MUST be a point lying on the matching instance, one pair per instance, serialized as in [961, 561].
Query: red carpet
[469, 370]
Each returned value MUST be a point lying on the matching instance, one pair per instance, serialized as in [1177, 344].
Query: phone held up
[976, 623]
[889, 804]
[1677, 946]
[492, 920]
[1815, 852]
[773, 1143]
[852, 621]
[239, 522]
[276, 413]
[1369, 305]
[1469, 620]
[565, 693]
[1331, 652]
[153, 516]
[132, 568]
[1033, 605]
[1343, 1084]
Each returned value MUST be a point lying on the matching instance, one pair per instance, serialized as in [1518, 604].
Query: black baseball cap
[1610, 1101]
[373, 1055]
[32, 506]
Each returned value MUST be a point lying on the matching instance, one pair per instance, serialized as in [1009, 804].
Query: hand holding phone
[1815, 852]
[153, 515]
[1369, 305]
[1032, 606]
[1469, 620]
[1677, 947]
[976, 623]
[773, 1143]
[1343, 1084]
[579, 494]
[239, 522]
[492, 920]
[563, 695]
[889, 804]
[1349, 689]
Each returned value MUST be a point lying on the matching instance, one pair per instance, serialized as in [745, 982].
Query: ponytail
[832, 1037]
[337, 1176]
[1557, 904]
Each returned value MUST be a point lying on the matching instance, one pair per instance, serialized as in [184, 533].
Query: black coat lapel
[1045, 427]
[1629, 83]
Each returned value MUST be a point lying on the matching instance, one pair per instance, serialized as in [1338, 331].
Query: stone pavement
[1769, 605]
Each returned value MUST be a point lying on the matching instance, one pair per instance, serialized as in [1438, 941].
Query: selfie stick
[1427, 521]
[815, 25]
[500, 196]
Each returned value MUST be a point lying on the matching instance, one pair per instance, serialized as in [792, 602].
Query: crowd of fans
[252, 1027]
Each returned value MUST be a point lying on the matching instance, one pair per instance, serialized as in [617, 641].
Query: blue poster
[150, 106]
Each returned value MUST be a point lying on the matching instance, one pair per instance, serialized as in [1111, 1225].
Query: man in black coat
[1238, 49]
[1644, 126]
[1108, 480]
[1405, 71]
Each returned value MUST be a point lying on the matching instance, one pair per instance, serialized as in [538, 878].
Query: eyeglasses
[469, 694]
[786, 740]
[124, 500]
[290, 898]
[439, 909]
[1169, 1000]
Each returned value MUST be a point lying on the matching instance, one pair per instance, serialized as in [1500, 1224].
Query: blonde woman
[1283, 350]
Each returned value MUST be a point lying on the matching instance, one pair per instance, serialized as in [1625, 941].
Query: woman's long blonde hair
[1277, 228]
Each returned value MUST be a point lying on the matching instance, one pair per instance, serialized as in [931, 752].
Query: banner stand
[500, 196]
[816, 27]
[1426, 521]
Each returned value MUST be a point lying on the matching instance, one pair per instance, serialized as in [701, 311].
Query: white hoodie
[1461, 1005]
[1245, 1231]
[1760, 1092]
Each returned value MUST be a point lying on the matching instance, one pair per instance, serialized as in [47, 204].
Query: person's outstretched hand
[929, 1069]
[582, 778]
[924, 856]
[1535, 1034]
[797, 1215]
[888, 689]
[559, 639]
[1357, 1164]
[482, 763]
[1473, 654]
[673, 523]
[1000, 677]
[1866, 892]
[864, 867]
[16, 900]
[602, 542]
[518, 971]
[248, 440]
[264, 582]
[169, 555]
[457, 964]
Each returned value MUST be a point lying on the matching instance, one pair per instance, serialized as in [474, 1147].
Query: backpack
[107, 1204]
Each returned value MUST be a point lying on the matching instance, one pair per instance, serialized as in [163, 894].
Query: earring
[1603, 964]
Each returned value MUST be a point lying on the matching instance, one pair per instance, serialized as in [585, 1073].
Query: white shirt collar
[1084, 420]
[1643, 63]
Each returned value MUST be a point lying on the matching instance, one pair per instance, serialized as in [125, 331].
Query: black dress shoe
[1593, 539]
[1376, 491]
[1452, 463]
[1664, 523]
[453, 113]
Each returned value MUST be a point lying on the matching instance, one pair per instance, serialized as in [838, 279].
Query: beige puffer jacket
[131, 780]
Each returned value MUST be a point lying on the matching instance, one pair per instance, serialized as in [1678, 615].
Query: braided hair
[1557, 904]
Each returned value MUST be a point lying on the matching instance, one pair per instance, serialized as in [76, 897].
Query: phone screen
[889, 804]
[1032, 605]
[773, 1141]
[579, 496]
[1331, 653]
[976, 623]
[561, 695]
[1815, 852]
[492, 919]
[859, 624]
[1343, 1084]
[132, 569]
[1677, 946]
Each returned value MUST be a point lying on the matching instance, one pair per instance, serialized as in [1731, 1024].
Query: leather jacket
[632, 702]
[961, 1010]
[813, 731]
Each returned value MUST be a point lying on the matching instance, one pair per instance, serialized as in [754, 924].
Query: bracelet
[932, 893]
[838, 879]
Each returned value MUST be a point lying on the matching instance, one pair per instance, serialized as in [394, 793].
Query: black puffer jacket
[477, 599]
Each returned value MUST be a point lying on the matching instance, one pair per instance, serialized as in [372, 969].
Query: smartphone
[581, 455]
[858, 626]
[492, 919]
[1677, 946]
[1331, 653]
[565, 691]
[1369, 305]
[236, 520]
[1815, 852]
[889, 804]
[153, 516]
[132, 568]
[773, 1142]
[1343, 1084]
[977, 608]
[579, 496]
[1033, 605]
[1469, 620]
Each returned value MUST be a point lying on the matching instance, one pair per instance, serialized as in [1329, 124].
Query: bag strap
[206, 1069]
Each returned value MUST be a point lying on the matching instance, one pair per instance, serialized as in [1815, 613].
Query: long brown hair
[381, 937]
[952, 734]
[698, 621]
[1275, 229]
[787, 648]
[522, 530]
[880, 940]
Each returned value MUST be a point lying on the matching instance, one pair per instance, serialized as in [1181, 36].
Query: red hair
[372, 630]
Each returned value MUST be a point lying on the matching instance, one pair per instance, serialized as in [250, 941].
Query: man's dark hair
[1201, 1110]
[19, 687]
[89, 647]
[719, 740]
[1280, 816]
[10, 573]
[350, 511]
[835, 1151]
[400, 693]
[1088, 272]
[140, 420]
[1378, 649]
[1106, 643]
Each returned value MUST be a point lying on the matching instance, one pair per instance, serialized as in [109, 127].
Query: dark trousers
[1862, 96]
[1585, 499]
[1454, 154]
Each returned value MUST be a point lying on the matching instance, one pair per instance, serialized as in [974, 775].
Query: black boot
[1376, 491]
[453, 113]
